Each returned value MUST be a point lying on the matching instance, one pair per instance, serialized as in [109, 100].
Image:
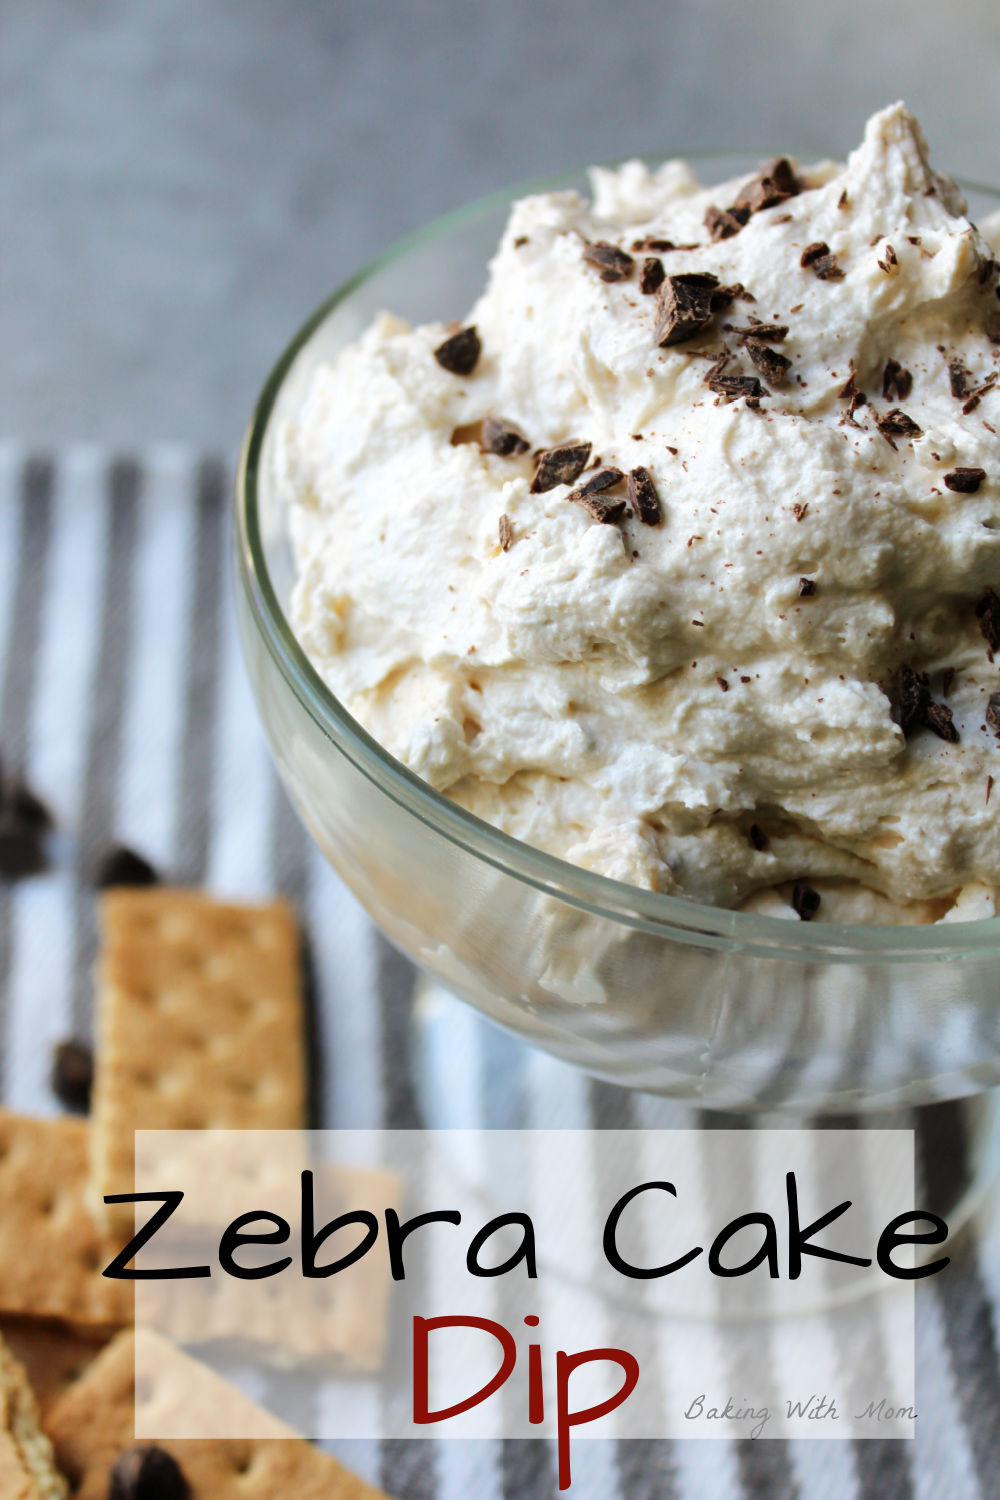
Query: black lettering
[611, 1253]
[118, 1269]
[233, 1238]
[798, 1237]
[525, 1250]
[396, 1233]
[311, 1240]
[768, 1247]
[891, 1237]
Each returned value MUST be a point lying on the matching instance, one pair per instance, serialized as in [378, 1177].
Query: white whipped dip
[700, 707]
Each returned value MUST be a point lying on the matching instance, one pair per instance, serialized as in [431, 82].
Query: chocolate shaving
[772, 365]
[940, 719]
[602, 507]
[807, 588]
[505, 532]
[842, 201]
[613, 264]
[122, 866]
[909, 699]
[770, 333]
[988, 615]
[147, 1473]
[643, 498]
[889, 261]
[897, 383]
[800, 511]
[562, 464]
[974, 397]
[723, 223]
[723, 295]
[651, 274]
[757, 837]
[502, 437]
[964, 481]
[993, 714]
[604, 479]
[733, 386]
[818, 259]
[685, 306]
[813, 253]
[459, 355]
[723, 684]
[805, 900]
[72, 1074]
[775, 183]
[958, 379]
[651, 242]
[896, 423]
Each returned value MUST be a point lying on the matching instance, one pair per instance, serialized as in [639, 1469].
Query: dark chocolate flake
[604, 479]
[805, 900]
[73, 1074]
[828, 268]
[800, 510]
[897, 383]
[723, 223]
[896, 423]
[652, 242]
[909, 698]
[974, 397]
[775, 182]
[889, 260]
[506, 533]
[939, 718]
[643, 498]
[993, 714]
[772, 365]
[459, 354]
[964, 481]
[147, 1473]
[502, 437]
[612, 263]
[769, 333]
[562, 464]
[651, 275]
[731, 387]
[807, 588]
[958, 379]
[685, 307]
[604, 508]
[123, 866]
[988, 615]
[813, 253]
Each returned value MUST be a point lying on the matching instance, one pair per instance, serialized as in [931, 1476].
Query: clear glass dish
[731, 1010]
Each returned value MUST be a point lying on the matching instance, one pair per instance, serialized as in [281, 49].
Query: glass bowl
[730, 1010]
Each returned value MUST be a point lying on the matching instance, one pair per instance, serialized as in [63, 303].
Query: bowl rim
[676, 917]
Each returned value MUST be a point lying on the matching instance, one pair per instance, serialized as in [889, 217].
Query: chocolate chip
[506, 532]
[651, 242]
[897, 383]
[757, 837]
[993, 714]
[964, 481]
[613, 264]
[147, 1473]
[651, 274]
[120, 865]
[909, 698]
[896, 423]
[723, 223]
[772, 365]
[805, 900]
[807, 588]
[502, 437]
[562, 464]
[642, 497]
[22, 851]
[958, 379]
[685, 306]
[940, 719]
[769, 333]
[775, 182]
[459, 355]
[988, 615]
[72, 1074]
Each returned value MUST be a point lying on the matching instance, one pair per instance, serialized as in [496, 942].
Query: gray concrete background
[181, 181]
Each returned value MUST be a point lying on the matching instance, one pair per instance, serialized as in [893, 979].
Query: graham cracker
[27, 1468]
[199, 1024]
[53, 1354]
[52, 1252]
[96, 1420]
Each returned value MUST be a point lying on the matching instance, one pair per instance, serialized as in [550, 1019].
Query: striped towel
[122, 694]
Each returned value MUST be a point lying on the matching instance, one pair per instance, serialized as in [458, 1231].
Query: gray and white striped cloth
[122, 694]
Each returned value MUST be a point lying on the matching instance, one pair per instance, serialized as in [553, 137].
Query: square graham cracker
[199, 1025]
[53, 1354]
[27, 1467]
[96, 1420]
[52, 1252]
